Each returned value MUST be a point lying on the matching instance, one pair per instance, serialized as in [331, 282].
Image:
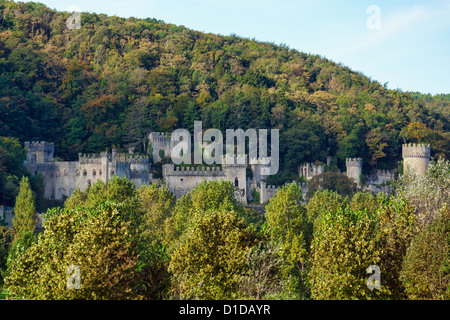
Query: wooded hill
[114, 80]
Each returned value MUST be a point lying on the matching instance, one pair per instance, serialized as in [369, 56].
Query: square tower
[40, 151]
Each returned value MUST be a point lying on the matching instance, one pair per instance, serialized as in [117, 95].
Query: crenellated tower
[354, 169]
[416, 158]
[40, 151]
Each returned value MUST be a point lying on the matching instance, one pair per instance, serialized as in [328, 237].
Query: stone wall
[63, 177]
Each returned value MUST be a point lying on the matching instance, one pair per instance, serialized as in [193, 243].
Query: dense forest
[114, 80]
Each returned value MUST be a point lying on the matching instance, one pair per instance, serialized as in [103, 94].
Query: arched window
[94, 172]
[112, 172]
[84, 172]
[236, 182]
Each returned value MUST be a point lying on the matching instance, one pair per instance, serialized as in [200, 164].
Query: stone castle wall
[63, 177]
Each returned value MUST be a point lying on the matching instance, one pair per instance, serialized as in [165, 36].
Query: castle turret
[416, 158]
[40, 151]
[354, 169]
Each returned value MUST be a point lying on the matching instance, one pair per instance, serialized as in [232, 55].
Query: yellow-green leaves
[208, 263]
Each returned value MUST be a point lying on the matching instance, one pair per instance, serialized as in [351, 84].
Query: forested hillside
[114, 80]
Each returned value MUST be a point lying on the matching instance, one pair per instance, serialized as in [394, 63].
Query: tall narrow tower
[416, 158]
[354, 169]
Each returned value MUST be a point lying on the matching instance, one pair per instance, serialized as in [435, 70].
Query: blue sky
[404, 43]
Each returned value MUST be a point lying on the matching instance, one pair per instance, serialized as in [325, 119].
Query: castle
[63, 177]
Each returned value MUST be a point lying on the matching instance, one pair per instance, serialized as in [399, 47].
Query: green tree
[427, 194]
[208, 195]
[344, 246]
[333, 181]
[364, 200]
[6, 239]
[157, 205]
[423, 273]
[97, 241]
[321, 203]
[288, 226]
[398, 224]
[210, 261]
[24, 211]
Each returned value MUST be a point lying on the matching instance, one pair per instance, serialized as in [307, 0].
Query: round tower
[416, 158]
[354, 169]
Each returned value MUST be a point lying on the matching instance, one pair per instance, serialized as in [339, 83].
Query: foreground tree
[24, 211]
[157, 205]
[208, 195]
[425, 273]
[96, 243]
[427, 194]
[342, 249]
[321, 203]
[209, 262]
[289, 227]
[398, 224]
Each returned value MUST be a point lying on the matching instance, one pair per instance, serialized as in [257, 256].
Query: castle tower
[416, 158]
[237, 174]
[39, 151]
[354, 169]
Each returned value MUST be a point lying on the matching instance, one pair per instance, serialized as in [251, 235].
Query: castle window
[112, 172]
[236, 182]
[181, 179]
[94, 172]
[89, 183]
[84, 172]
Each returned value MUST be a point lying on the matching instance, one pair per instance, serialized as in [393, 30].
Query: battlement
[260, 161]
[237, 161]
[171, 170]
[84, 158]
[354, 162]
[158, 136]
[385, 173]
[412, 150]
[39, 146]
[39, 151]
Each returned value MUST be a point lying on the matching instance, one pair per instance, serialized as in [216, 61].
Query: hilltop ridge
[115, 80]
